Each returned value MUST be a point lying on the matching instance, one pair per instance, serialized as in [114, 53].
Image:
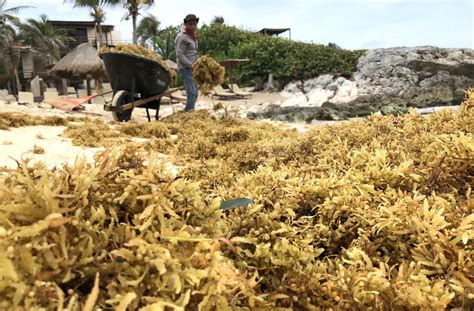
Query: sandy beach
[19, 143]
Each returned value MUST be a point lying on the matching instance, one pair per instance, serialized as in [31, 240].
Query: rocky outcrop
[386, 80]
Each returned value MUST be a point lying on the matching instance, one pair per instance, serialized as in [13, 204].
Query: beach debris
[38, 149]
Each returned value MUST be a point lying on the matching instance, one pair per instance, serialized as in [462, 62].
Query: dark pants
[186, 75]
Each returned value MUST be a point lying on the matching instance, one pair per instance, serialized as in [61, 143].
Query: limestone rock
[390, 81]
[295, 101]
[319, 96]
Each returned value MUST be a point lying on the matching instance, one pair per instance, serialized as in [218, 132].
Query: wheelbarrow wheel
[121, 98]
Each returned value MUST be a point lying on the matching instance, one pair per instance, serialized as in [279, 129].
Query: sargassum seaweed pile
[208, 73]
[17, 119]
[138, 50]
[373, 214]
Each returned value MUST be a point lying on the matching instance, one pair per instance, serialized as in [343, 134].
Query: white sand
[18, 143]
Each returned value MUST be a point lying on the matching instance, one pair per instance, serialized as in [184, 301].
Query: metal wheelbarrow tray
[136, 82]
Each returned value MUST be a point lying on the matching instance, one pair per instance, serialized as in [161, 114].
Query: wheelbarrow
[137, 82]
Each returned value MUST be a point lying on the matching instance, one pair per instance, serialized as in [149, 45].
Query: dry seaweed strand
[344, 219]
[16, 119]
[91, 134]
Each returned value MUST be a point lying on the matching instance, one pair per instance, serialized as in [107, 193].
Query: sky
[352, 24]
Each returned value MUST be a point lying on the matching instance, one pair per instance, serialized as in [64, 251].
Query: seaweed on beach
[90, 134]
[372, 214]
[144, 130]
[16, 119]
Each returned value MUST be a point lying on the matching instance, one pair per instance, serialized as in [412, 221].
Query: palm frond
[43, 37]
[17, 9]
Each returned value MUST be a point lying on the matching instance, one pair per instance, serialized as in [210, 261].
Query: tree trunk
[17, 80]
[97, 86]
[64, 87]
[97, 44]
[89, 92]
[99, 41]
[134, 21]
[14, 60]
[10, 88]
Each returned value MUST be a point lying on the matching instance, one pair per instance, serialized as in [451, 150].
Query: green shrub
[287, 60]
[217, 40]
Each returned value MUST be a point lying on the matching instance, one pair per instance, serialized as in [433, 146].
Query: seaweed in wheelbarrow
[139, 50]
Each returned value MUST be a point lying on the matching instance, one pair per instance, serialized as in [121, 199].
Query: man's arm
[180, 52]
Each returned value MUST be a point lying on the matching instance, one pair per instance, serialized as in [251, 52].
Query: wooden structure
[82, 61]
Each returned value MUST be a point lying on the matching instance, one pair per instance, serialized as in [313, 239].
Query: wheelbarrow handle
[102, 94]
[144, 101]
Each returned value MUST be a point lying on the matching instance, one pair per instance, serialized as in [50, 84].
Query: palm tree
[6, 33]
[10, 45]
[163, 44]
[147, 29]
[43, 37]
[9, 40]
[7, 15]
[97, 13]
[133, 8]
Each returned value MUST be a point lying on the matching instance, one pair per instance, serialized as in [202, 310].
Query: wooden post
[9, 86]
[64, 85]
[89, 89]
[97, 86]
[88, 83]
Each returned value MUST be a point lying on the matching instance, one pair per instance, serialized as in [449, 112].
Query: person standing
[186, 55]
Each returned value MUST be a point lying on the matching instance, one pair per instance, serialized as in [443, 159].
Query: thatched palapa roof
[82, 61]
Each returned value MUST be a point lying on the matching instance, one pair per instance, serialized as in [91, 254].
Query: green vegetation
[163, 44]
[161, 41]
[9, 38]
[133, 8]
[43, 37]
[148, 28]
[44, 40]
[286, 60]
